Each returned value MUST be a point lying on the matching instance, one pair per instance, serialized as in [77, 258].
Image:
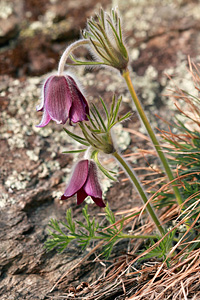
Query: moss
[54, 31]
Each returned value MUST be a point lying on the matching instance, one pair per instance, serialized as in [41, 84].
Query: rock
[8, 29]
[11, 13]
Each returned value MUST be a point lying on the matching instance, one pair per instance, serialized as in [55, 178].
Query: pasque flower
[84, 182]
[62, 100]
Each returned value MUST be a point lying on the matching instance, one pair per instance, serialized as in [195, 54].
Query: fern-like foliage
[62, 233]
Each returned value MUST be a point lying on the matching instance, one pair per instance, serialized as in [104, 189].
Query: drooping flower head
[84, 182]
[106, 39]
[62, 100]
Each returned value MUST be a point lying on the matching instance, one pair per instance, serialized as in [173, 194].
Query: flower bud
[106, 40]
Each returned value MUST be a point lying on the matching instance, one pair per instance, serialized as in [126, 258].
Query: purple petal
[81, 195]
[92, 186]
[77, 180]
[98, 201]
[44, 92]
[45, 119]
[63, 197]
[58, 99]
[74, 84]
[79, 109]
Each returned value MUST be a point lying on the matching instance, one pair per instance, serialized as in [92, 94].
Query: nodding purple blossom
[84, 182]
[62, 100]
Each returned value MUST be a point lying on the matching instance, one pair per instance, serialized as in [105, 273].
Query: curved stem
[140, 190]
[87, 154]
[151, 133]
[67, 52]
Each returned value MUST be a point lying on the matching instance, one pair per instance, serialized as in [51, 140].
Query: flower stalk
[68, 51]
[140, 190]
[126, 75]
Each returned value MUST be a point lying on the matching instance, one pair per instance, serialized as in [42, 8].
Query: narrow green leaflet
[126, 116]
[99, 116]
[75, 151]
[105, 108]
[103, 170]
[79, 62]
[76, 137]
[97, 121]
[116, 109]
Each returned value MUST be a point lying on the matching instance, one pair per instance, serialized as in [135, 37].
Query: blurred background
[33, 171]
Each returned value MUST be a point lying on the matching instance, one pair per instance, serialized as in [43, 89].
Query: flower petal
[44, 92]
[81, 195]
[45, 119]
[58, 99]
[77, 180]
[79, 109]
[92, 186]
[98, 201]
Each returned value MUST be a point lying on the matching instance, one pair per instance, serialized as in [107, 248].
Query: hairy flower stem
[126, 75]
[67, 52]
[140, 190]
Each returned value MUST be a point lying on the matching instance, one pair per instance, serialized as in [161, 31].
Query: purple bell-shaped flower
[62, 100]
[84, 182]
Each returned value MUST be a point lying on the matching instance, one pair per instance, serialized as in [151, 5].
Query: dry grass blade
[176, 283]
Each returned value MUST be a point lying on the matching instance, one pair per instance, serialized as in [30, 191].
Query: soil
[33, 170]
